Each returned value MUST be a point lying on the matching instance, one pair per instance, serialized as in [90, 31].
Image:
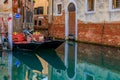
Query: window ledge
[113, 10]
[90, 12]
[59, 14]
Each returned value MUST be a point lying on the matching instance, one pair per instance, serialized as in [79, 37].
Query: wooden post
[10, 26]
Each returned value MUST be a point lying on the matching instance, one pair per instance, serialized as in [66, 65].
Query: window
[40, 10]
[35, 22]
[115, 4]
[29, 16]
[35, 10]
[59, 8]
[40, 22]
[90, 6]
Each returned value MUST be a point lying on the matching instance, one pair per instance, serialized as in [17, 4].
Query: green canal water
[70, 61]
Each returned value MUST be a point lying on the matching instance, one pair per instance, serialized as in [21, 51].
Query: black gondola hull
[53, 44]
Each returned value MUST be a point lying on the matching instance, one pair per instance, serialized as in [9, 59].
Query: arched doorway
[72, 20]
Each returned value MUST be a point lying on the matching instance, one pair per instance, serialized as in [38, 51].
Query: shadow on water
[71, 61]
[28, 58]
[51, 57]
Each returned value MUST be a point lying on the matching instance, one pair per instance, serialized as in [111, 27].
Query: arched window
[71, 7]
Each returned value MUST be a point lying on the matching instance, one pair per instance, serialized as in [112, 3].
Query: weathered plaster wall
[101, 27]
[102, 12]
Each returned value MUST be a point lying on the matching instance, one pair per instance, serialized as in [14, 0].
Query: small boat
[50, 44]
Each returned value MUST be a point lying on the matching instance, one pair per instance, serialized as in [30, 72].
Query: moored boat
[50, 44]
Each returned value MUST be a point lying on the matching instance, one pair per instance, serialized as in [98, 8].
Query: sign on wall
[17, 16]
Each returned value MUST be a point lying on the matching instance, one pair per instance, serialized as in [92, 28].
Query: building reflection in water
[4, 73]
[27, 65]
[71, 61]
[89, 62]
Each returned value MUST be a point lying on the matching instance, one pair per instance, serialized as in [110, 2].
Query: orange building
[41, 16]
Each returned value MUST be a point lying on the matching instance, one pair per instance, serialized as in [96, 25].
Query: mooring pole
[10, 27]
[10, 30]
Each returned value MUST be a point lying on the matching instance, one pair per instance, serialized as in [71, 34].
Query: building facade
[25, 9]
[41, 16]
[94, 21]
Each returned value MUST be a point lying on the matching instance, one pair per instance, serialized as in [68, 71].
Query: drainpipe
[24, 14]
[52, 19]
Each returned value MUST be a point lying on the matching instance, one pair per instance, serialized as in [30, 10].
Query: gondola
[50, 44]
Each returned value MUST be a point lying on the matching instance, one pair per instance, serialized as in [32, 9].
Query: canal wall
[101, 26]
[99, 33]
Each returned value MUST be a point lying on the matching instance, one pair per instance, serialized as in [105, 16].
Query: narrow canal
[70, 61]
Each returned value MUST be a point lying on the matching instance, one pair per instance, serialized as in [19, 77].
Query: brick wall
[101, 33]
[58, 29]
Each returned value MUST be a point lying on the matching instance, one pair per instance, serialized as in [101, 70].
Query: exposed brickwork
[44, 22]
[43, 28]
[102, 33]
[112, 34]
[89, 32]
[60, 19]
[99, 33]
[58, 29]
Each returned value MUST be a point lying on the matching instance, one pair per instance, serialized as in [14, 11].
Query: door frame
[67, 20]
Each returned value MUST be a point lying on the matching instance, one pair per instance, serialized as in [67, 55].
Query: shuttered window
[59, 8]
[40, 10]
[115, 4]
[90, 4]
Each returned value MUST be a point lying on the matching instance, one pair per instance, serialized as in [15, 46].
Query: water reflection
[71, 61]
[89, 62]
[52, 58]
[4, 74]
[28, 58]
